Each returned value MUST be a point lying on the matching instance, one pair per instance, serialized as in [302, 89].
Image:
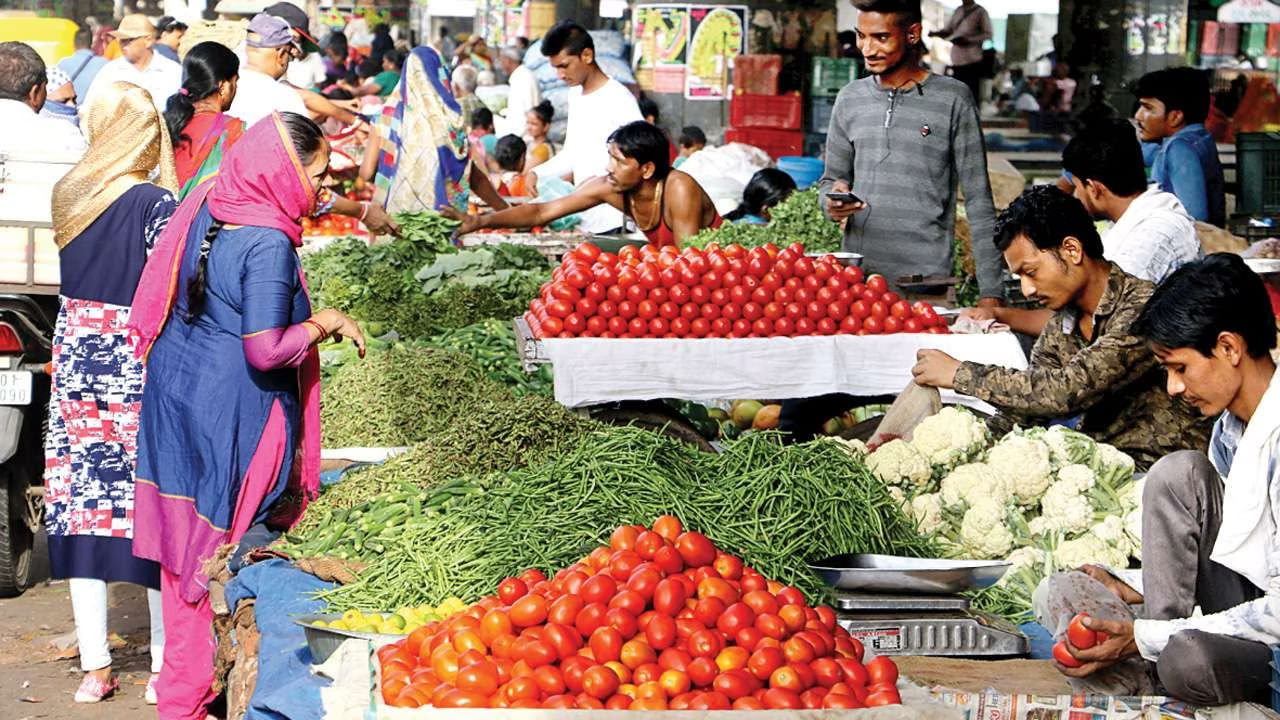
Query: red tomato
[710, 311]
[814, 283]
[735, 684]
[606, 644]
[731, 311]
[626, 310]
[900, 310]
[877, 284]
[762, 327]
[872, 326]
[574, 324]
[860, 310]
[599, 682]
[564, 609]
[888, 696]
[764, 661]
[741, 328]
[837, 310]
[511, 590]
[784, 326]
[669, 596]
[637, 327]
[776, 698]
[1081, 637]
[815, 310]
[629, 600]
[698, 327]
[695, 549]
[892, 325]
[882, 670]
[804, 296]
[708, 610]
[773, 310]
[852, 274]
[636, 293]
[559, 308]
[1063, 656]
[661, 631]
[805, 326]
[702, 671]
[678, 294]
[803, 266]
[617, 326]
[622, 621]
[590, 618]
[680, 327]
[793, 311]
[690, 311]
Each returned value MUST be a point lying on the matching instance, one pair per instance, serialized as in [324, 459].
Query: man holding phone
[901, 141]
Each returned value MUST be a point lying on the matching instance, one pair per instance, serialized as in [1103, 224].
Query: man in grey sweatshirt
[902, 140]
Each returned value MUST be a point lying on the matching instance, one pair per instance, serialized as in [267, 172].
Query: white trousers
[89, 605]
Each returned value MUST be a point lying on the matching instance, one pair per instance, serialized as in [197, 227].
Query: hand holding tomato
[1117, 646]
[935, 368]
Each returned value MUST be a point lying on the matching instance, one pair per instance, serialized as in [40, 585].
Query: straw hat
[134, 26]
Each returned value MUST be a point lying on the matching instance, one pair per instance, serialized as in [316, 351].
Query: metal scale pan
[912, 606]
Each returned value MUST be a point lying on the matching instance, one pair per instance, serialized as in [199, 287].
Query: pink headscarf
[262, 183]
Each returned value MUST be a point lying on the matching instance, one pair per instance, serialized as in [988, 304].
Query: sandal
[92, 689]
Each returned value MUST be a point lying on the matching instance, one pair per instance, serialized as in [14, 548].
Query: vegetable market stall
[591, 371]
[551, 244]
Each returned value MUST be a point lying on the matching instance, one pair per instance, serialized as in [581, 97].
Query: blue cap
[269, 31]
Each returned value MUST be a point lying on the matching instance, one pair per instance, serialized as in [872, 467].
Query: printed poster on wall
[718, 36]
[659, 40]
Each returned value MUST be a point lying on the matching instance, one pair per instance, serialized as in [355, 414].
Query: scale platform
[918, 624]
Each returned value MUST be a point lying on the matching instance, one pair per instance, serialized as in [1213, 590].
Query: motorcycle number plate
[15, 388]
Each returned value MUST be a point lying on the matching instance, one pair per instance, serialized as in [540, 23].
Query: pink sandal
[93, 690]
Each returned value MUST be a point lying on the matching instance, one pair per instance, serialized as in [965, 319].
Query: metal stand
[890, 624]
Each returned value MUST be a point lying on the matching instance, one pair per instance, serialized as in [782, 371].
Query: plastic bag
[554, 188]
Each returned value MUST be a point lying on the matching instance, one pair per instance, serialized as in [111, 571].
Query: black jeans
[971, 75]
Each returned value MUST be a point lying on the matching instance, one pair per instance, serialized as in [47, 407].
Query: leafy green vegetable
[799, 218]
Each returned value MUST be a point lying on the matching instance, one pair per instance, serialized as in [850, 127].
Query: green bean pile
[400, 396]
[492, 344]
[778, 507]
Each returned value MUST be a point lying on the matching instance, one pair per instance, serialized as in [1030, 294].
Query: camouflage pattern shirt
[1113, 381]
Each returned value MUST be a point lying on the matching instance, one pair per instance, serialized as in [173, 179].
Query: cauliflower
[983, 532]
[1088, 549]
[1078, 477]
[1133, 529]
[974, 482]
[854, 447]
[927, 511]
[950, 437]
[1024, 558]
[898, 463]
[1068, 446]
[1113, 466]
[900, 498]
[1112, 531]
[1132, 496]
[1064, 509]
[1025, 461]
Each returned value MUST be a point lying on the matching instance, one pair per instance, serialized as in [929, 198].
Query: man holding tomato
[1086, 362]
[1211, 326]
[901, 140]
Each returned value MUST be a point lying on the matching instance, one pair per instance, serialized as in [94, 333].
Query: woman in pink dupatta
[232, 389]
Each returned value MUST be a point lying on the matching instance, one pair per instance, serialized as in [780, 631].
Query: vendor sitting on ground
[668, 206]
[1086, 362]
[1212, 327]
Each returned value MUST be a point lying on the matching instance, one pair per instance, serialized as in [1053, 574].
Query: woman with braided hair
[229, 338]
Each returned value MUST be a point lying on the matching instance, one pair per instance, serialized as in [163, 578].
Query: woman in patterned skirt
[107, 214]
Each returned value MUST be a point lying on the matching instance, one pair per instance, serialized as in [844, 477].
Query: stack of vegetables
[757, 499]
[799, 218]
[719, 292]
[657, 619]
[1044, 499]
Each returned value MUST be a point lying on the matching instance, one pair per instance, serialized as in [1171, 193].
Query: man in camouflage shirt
[1086, 362]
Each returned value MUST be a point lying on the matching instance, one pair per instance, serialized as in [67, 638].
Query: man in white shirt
[269, 47]
[598, 105]
[1153, 235]
[1209, 522]
[23, 87]
[139, 63]
[523, 95]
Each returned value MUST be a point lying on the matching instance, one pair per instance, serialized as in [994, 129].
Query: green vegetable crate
[832, 74]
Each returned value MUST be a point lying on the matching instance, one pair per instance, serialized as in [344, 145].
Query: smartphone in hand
[844, 197]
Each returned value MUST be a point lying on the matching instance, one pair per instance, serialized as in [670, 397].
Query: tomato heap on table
[660, 619]
[718, 292]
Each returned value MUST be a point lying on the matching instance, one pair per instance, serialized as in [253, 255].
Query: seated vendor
[1210, 536]
[667, 205]
[1086, 362]
[766, 189]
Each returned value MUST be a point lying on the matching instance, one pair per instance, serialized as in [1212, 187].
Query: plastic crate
[757, 74]
[784, 112]
[820, 109]
[1273, 40]
[778, 143]
[1258, 173]
[832, 74]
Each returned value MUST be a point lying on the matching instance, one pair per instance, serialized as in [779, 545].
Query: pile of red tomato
[330, 224]
[718, 292]
[658, 620]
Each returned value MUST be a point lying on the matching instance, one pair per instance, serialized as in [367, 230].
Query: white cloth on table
[589, 371]
[162, 78]
[592, 119]
[258, 95]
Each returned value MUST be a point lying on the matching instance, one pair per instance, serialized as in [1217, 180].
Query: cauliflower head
[974, 482]
[950, 437]
[1078, 477]
[1068, 446]
[898, 463]
[1089, 549]
[1113, 466]
[1025, 461]
[983, 532]
[1064, 508]
[854, 447]
[927, 511]
[1133, 529]
[1112, 531]
[1024, 558]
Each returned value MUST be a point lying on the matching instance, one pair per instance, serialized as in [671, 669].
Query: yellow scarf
[127, 142]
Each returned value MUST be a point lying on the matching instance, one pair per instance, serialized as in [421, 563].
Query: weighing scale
[912, 606]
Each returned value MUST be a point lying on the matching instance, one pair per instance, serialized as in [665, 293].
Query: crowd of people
[185, 372]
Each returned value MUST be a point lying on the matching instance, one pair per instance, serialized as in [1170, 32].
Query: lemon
[319, 624]
[352, 616]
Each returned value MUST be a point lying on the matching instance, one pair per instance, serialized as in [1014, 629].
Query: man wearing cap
[269, 47]
[23, 88]
[169, 32]
[307, 68]
[139, 63]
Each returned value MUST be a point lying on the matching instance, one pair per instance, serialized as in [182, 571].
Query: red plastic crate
[757, 74]
[784, 112]
[778, 143]
[1273, 40]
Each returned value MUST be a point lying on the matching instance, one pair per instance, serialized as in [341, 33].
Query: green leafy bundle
[799, 218]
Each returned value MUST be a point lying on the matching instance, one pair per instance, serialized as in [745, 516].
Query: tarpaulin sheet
[286, 688]
[591, 371]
